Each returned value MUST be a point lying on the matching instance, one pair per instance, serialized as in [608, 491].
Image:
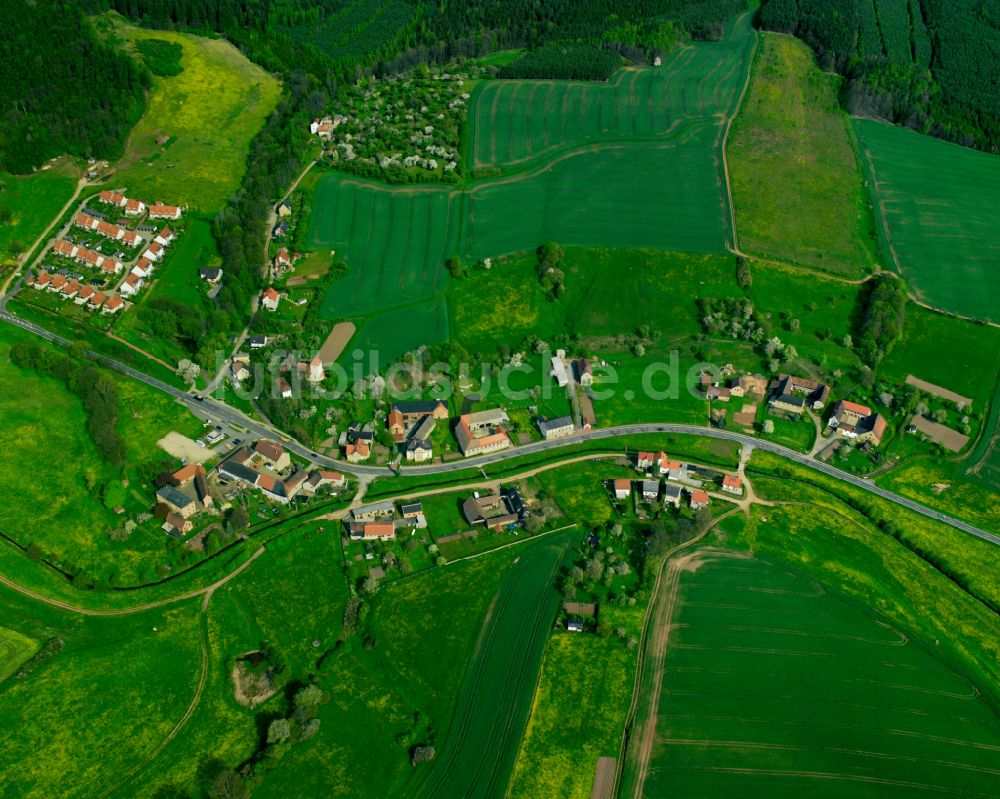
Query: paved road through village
[210, 408]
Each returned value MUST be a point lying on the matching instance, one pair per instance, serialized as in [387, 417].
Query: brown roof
[380, 529]
[272, 450]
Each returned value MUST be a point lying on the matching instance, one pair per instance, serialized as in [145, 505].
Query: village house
[623, 489]
[257, 342]
[371, 531]
[154, 252]
[490, 510]
[588, 419]
[556, 428]
[113, 305]
[164, 237]
[699, 500]
[732, 484]
[85, 293]
[857, 422]
[672, 494]
[42, 280]
[282, 388]
[650, 490]
[283, 209]
[412, 511]
[482, 432]
[57, 283]
[583, 372]
[374, 512]
[324, 127]
[405, 417]
[112, 198]
[318, 479]
[418, 450]
[134, 207]
[283, 259]
[158, 211]
[97, 300]
[272, 454]
[792, 395]
[357, 451]
[177, 501]
[131, 285]
[270, 299]
[71, 289]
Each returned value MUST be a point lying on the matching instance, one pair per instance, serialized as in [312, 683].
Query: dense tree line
[63, 90]
[564, 62]
[95, 389]
[930, 65]
[884, 317]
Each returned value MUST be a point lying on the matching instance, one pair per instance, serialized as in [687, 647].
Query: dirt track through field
[652, 654]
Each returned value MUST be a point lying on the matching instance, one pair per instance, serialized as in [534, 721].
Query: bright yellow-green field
[796, 184]
[210, 112]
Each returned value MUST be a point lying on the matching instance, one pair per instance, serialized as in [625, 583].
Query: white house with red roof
[732, 484]
[270, 299]
[858, 422]
[164, 237]
[160, 211]
[154, 252]
[113, 198]
[131, 285]
[134, 207]
[113, 305]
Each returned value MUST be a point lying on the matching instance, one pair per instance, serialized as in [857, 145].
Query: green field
[796, 183]
[14, 650]
[63, 514]
[935, 202]
[124, 682]
[775, 686]
[208, 114]
[641, 169]
[33, 201]
[580, 707]
[478, 755]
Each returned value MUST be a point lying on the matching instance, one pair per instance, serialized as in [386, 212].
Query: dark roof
[412, 507]
[514, 500]
[174, 497]
[417, 443]
[238, 471]
[554, 424]
[671, 491]
[788, 399]
[209, 273]
[261, 340]
[419, 406]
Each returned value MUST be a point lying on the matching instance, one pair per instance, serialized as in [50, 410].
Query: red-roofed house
[270, 299]
[164, 237]
[85, 293]
[283, 258]
[113, 305]
[375, 531]
[623, 488]
[857, 422]
[142, 268]
[71, 289]
[65, 249]
[153, 252]
[113, 198]
[131, 238]
[699, 500]
[86, 221]
[57, 283]
[284, 389]
[645, 459]
[42, 280]
[732, 484]
[357, 452]
[97, 300]
[158, 211]
[134, 207]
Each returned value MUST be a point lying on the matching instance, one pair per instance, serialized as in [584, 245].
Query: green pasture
[773, 685]
[478, 755]
[64, 514]
[516, 121]
[936, 201]
[51, 720]
[579, 709]
[208, 114]
[14, 650]
[796, 183]
[33, 202]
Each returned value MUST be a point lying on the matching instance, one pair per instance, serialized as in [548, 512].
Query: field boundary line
[725, 142]
[664, 570]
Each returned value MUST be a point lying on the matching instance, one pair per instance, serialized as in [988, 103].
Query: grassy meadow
[935, 202]
[208, 114]
[63, 514]
[796, 182]
[149, 663]
[33, 202]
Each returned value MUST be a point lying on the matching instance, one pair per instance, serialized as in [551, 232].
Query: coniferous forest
[63, 90]
[933, 65]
